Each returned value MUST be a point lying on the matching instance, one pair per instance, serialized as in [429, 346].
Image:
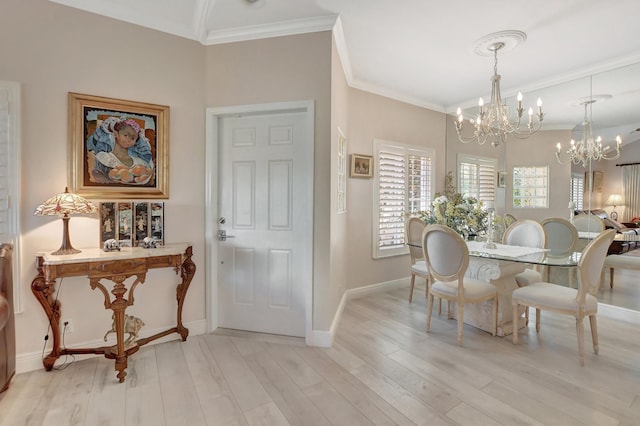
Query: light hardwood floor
[382, 369]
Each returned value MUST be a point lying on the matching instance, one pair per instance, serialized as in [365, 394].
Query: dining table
[499, 264]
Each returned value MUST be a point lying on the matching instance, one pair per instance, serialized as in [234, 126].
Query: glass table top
[521, 254]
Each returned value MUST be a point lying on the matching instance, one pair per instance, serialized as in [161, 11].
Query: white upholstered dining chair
[509, 219]
[526, 233]
[579, 303]
[588, 223]
[415, 226]
[562, 238]
[447, 258]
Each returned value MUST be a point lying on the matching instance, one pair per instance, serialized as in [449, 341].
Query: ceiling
[422, 51]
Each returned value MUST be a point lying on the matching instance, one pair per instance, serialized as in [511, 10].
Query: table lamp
[63, 205]
[615, 200]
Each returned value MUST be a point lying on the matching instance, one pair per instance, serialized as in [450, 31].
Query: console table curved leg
[44, 291]
[188, 270]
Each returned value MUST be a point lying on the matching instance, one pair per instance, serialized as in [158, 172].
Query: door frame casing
[212, 142]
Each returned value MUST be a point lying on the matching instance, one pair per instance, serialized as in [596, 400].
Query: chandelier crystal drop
[493, 121]
[588, 149]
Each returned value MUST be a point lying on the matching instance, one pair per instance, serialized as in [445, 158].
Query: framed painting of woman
[118, 148]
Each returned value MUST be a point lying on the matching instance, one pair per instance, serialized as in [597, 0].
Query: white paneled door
[263, 226]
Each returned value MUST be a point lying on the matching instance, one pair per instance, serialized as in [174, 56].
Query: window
[9, 174]
[531, 187]
[404, 185]
[477, 176]
[576, 193]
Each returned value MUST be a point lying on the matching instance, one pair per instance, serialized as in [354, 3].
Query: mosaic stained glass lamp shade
[63, 205]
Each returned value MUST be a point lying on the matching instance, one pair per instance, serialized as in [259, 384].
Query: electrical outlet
[67, 326]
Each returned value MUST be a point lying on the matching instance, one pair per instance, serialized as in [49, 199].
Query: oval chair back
[525, 233]
[562, 236]
[415, 226]
[509, 219]
[591, 263]
[588, 223]
[446, 253]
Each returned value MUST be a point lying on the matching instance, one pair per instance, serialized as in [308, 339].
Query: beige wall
[376, 117]
[339, 229]
[52, 50]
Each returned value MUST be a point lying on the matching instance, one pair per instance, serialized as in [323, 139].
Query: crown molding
[285, 28]
[558, 79]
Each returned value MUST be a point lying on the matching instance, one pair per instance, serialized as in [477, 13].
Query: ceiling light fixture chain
[493, 121]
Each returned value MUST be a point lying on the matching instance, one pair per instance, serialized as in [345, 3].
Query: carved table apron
[116, 266]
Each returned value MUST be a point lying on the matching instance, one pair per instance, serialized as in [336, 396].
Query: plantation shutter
[6, 234]
[9, 173]
[468, 179]
[486, 182]
[419, 176]
[392, 183]
[577, 190]
[476, 177]
[404, 185]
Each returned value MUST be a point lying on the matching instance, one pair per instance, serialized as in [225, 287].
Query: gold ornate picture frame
[118, 148]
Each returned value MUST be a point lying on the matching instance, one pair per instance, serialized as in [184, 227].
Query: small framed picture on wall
[502, 179]
[361, 166]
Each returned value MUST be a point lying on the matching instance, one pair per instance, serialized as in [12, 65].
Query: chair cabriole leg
[413, 282]
[429, 309]
[593, 322]
[580, 333]
[460, 321]
[515, 307]
[611, 277]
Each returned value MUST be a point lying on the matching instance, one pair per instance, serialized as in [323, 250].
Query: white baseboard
[367, 290]
[33, 360]
[324, 339]
[618, 313]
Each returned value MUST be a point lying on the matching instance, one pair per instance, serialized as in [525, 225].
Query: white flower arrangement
[461, 212]
[442, 199]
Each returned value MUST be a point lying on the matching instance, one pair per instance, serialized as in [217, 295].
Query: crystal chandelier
[493, 121]
[588, 148]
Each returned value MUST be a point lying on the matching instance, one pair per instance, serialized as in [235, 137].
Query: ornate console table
[116, 267]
